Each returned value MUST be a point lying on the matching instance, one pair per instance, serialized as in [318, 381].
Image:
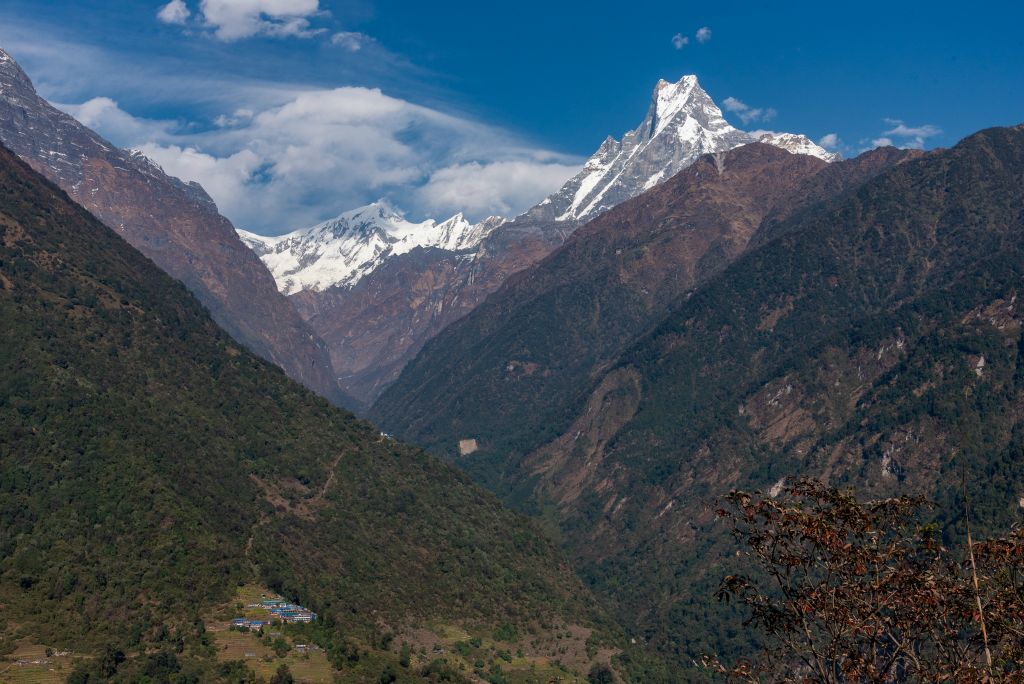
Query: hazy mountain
[175, 224]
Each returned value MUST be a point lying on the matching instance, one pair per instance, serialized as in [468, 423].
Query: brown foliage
[850, 591]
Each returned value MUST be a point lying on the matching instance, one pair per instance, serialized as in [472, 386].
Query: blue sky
[290, 111]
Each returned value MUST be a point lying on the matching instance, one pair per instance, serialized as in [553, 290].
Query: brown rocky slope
[535, 348]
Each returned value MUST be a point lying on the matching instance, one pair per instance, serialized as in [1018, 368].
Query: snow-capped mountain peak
[685, 107]
[682, 123]
[670, 99]
[14, 73]
[342, 250]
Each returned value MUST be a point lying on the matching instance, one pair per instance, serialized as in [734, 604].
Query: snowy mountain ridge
[340, 251]
[796, 144]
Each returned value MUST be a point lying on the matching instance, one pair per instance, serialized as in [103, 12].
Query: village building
[279, 609]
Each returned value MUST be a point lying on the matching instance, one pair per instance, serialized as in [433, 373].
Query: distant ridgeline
[860, 322]
[149, 466]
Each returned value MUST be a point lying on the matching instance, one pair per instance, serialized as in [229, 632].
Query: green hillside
[149, 466]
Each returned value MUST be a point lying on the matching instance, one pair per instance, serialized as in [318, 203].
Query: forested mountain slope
[873, 339]
[149, 465]
[875, 343]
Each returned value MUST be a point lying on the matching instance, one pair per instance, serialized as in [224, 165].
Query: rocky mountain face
[375, 319]
[536, 344]
[380, 323]
[869, 335]
[151, 466]
[173, 223]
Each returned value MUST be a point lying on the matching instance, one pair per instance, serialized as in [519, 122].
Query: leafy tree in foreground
[850, 591]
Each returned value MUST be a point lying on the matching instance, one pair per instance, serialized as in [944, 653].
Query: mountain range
[605, 287]
[375, 319]
[340, 252]
[700, 309]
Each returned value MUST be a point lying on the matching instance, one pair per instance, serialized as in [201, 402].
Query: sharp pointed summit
[685, 99]
[11, 74]
[682, 123]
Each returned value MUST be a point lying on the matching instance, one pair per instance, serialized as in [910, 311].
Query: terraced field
[29, 664]
[309, 667]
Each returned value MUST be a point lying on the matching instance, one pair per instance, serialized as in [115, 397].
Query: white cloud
[232, 20]
[174, 12]
[228, 177]
[102, 114]
[703, 35]
[830, 141]
[280, 167]
[746, 113]
[236, 19]
[351, 40]
[73, 72]
[899, 134]
[913, 137]
[502, 188]
[241, 115]
[731, 104]
[899, 128]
